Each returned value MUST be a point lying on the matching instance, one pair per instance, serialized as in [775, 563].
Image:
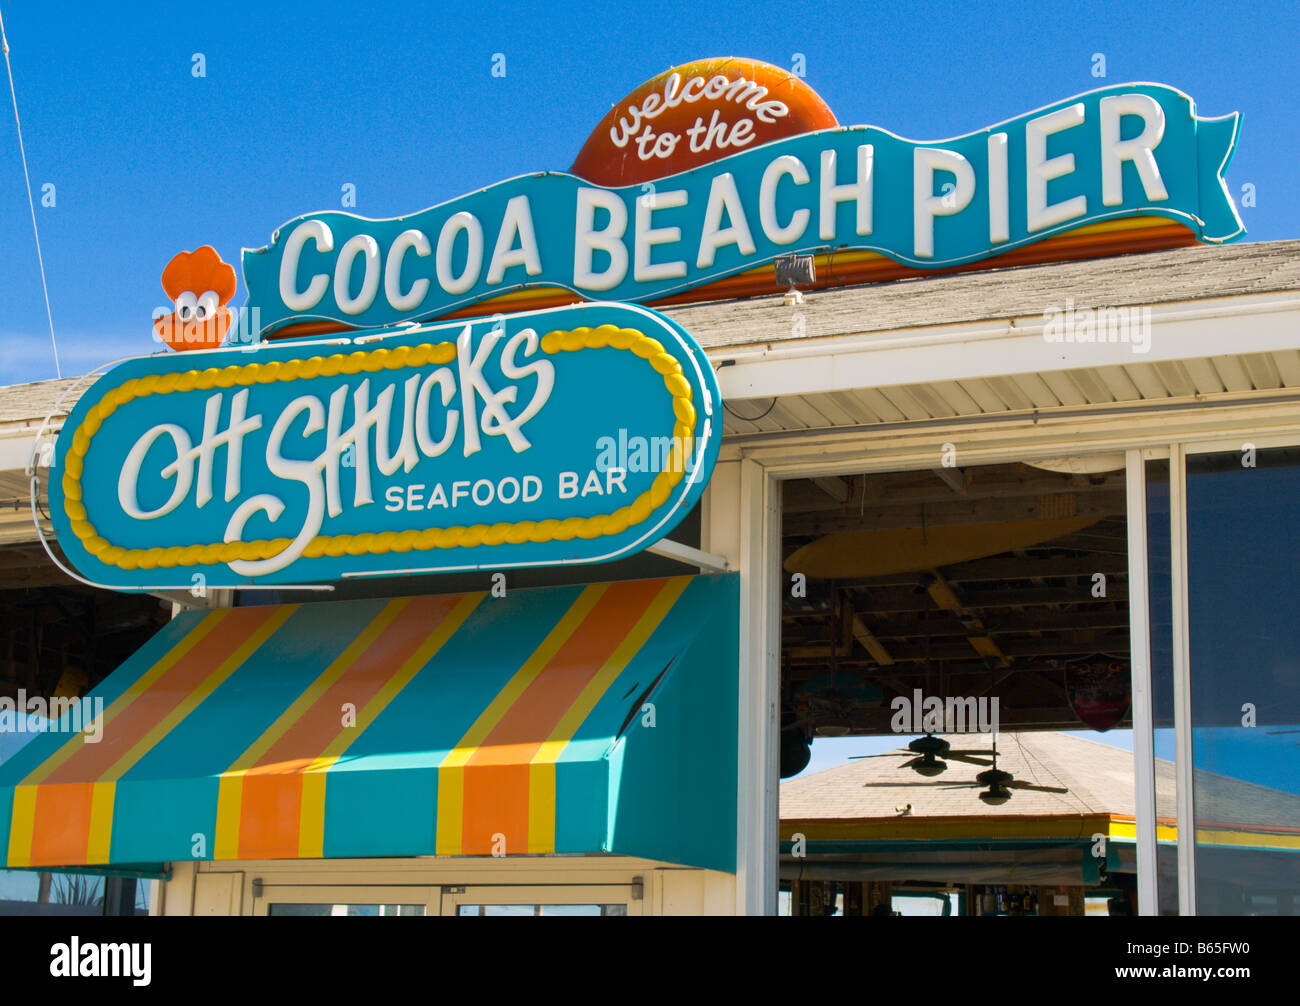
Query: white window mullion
[760, 691]
[1182, 681]
[1140, 664]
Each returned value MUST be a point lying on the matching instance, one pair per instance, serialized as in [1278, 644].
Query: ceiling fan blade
[919, 782]
[973, 751]
[887, 754]
[1017, 784]
[953, 756]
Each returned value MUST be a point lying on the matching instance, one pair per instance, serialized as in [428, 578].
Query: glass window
[291, 908]
[1160, 607]
[31, 892]
[541, 910]
[1243, 537]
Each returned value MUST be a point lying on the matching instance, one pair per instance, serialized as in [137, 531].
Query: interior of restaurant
[1000, 591]
[939, 591]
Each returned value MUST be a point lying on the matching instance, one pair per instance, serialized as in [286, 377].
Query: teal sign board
[1129, 150]
[574, 435]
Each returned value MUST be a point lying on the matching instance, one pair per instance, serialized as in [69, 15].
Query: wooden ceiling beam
[948, 513]
[879, 653]
[1012, 648]
[803, 496]
[953, 478]
[1039, 620]
[836, 488]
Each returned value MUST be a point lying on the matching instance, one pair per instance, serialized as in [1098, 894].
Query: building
[945, 482]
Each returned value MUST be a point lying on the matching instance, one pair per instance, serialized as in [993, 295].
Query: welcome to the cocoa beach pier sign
[723, 165]
[580, 433]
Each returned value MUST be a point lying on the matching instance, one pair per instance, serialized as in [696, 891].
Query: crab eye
[208, 304]
[186, 306]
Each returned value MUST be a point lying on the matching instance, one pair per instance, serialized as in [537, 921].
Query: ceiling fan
[933, 754]
[997, 783]
[826, 707]
[829, 713]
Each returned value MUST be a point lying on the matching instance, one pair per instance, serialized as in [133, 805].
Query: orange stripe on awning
[62, 818]
[61, 829]
[496, 789]
[271, 799]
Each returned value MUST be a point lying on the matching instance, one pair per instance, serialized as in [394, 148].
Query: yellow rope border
[379, 543]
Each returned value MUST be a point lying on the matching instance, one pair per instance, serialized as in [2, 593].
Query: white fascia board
[16, 446]
[1185, 331]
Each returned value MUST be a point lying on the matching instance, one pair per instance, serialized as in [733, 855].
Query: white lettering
[784, 165]
[1040, 169]
[1139, 150]
[588, 240]
[295, 300]
[926, 205]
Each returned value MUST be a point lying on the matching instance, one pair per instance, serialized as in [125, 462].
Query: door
[329, 899]
[543, 899]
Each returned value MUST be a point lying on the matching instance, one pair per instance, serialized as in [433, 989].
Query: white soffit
[1201, 349]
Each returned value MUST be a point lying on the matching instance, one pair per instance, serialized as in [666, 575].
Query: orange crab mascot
[200, 286]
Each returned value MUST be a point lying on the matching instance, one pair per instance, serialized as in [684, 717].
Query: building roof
[32, 402]
[1097, 777]
[1182, 274]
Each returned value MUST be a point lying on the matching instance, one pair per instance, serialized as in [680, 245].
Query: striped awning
[578, 719]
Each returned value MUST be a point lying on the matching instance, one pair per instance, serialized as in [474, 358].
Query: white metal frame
[1139, 618]
[767, 461]
[758, 734]
[430, 897]
[631, 896]
[1183, 763]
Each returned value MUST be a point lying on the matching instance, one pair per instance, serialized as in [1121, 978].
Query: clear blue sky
[299, 99]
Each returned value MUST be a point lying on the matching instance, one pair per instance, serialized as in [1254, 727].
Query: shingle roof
[1098, 778]
[21, 403]
[1182, 274]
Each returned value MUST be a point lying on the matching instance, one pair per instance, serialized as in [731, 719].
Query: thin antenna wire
[4, 41]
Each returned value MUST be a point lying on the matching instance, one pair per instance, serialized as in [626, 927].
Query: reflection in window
[1160, 608]
[542, 910]
[1243, 536]
[30, 892]
[289, 908]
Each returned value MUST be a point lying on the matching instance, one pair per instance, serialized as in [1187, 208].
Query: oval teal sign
[575, 435]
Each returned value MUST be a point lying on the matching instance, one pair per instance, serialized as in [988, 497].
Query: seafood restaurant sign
[720, 166]
[572, 435]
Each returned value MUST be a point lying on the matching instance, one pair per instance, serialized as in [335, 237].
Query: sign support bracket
[689, 555]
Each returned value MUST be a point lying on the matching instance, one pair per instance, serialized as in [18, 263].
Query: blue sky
[298, 100]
